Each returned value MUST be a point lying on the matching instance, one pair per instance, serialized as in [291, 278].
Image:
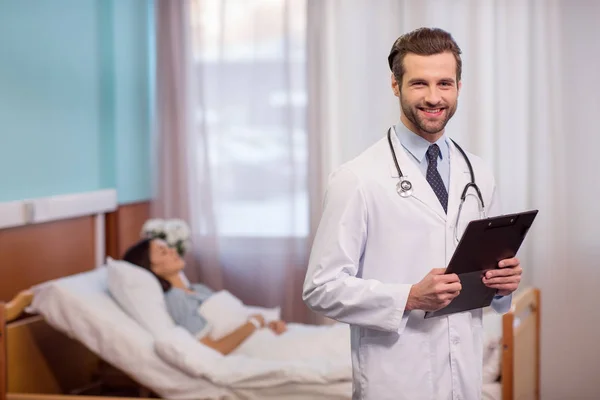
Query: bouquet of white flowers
[173, 231]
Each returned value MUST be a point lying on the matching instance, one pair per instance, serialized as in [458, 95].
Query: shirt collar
[417, 146]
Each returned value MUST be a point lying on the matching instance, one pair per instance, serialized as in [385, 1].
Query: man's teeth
[432, 110]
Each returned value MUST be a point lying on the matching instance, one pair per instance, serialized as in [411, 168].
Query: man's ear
[395, 86]
[458, 88]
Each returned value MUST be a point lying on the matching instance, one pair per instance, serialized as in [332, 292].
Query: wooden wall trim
[3, 359]
[111, 229]
[34, 254]
[123, 227]
[57, 211]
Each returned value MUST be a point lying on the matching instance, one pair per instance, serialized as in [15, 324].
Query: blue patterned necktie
[434, 178]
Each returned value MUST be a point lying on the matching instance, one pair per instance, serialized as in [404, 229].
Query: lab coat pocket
[390, 360]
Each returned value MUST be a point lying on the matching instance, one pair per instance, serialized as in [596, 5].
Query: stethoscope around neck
[404, 187]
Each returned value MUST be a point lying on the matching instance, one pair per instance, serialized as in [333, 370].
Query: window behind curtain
[249, 68]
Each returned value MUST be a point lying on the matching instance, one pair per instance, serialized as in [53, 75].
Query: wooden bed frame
[521, 347]
[42, 363]
[38, 362]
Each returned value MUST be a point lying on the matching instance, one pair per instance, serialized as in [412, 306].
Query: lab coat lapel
[459, 177]
[422, 191]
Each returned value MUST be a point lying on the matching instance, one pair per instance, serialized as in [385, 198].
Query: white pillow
[224, 313]
[140, 295]
[269, 314]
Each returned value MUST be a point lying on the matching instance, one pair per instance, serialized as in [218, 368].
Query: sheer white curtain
[528, 65]
[572, 278]
[509, 56]
[232, 143]
[181, 188]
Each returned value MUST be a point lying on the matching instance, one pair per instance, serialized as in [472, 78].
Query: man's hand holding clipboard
[435, 291]
[506, 278]
[483, 265]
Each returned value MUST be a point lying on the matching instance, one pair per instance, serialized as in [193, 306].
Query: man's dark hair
[424, 42]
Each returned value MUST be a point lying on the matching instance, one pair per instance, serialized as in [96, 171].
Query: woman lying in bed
[183, 301]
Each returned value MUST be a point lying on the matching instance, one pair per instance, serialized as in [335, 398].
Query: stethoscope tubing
[464, 155]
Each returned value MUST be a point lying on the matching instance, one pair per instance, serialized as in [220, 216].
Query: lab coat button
[455, 340]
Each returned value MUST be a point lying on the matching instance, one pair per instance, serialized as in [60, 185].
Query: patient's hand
[278, 327]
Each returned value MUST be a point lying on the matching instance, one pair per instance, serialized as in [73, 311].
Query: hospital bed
[81, 318]
[49, 359]
[42, 361]
[89, 346]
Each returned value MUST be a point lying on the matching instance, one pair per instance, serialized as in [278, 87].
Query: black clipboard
[484, 243]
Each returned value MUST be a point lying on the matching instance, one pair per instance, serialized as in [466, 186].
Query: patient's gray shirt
[183, 308]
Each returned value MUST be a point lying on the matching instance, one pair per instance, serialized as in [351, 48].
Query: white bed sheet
[81, 307]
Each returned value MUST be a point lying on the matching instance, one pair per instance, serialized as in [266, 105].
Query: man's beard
[412, 114]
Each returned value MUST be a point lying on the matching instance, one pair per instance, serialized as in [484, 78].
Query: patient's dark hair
[139, 255]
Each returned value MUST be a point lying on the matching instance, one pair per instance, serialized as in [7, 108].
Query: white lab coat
[370, 247]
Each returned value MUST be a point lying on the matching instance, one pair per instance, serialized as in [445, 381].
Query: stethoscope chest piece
[404, 187]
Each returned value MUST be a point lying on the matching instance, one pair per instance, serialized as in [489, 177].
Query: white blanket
[304, 354]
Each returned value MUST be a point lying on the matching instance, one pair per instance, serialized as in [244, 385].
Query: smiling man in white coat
[380, 251]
